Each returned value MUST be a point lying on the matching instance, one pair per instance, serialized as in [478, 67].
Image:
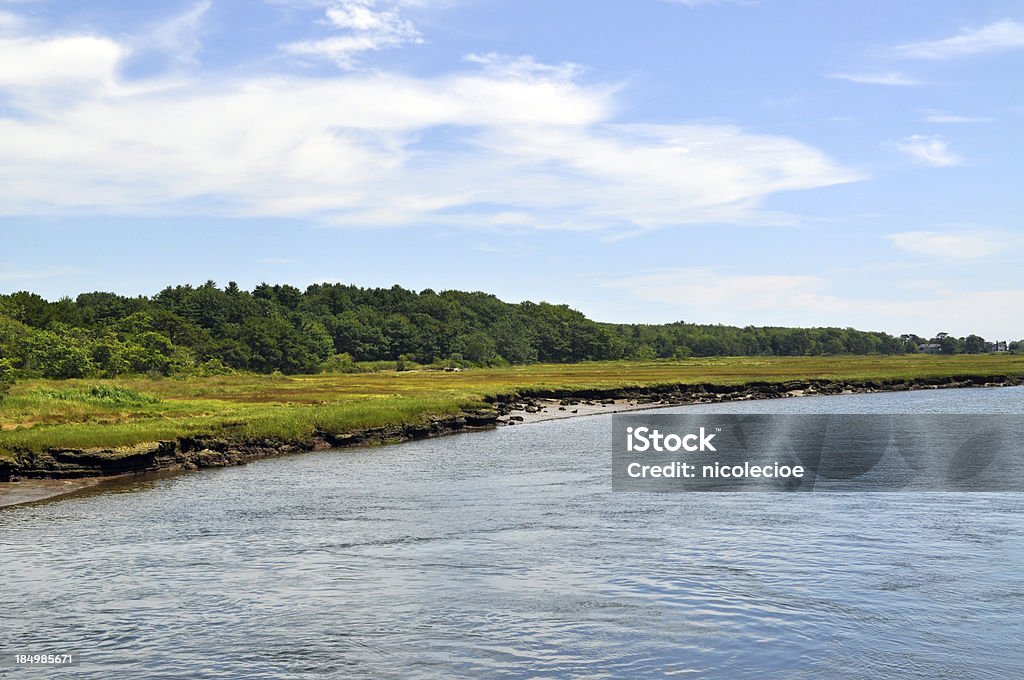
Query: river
[506, 554]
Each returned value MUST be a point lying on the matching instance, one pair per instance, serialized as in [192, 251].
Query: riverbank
[514, 407]
[540, 406]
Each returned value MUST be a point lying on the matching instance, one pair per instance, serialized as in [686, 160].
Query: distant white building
[929, 348]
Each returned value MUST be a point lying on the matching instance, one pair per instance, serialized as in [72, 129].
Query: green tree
[947, 344]
[477, 347]
[974, 344]
[645, 353]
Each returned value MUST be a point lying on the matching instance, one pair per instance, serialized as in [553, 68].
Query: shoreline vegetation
[91, 429]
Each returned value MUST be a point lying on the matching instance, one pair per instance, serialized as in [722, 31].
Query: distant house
[997, 347]
[929, 348]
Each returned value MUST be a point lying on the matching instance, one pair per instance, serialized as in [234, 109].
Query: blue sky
[774, 162]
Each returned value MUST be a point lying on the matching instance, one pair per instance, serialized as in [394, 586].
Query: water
[504, 554]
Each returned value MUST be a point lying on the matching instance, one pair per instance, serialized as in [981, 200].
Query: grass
[43, 414]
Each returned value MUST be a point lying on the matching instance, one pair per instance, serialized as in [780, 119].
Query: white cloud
[930, 150]
[942, 117]
[522, 141]
[966, 246]
[884, 78]
[711, 296]
[366, 29]
[73, 61]
[1000, 36]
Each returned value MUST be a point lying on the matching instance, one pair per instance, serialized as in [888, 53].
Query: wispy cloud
[366, 27]
[928, 149]
[10, 22]
[943, 117]
[1000, 36]
[8, 274]
[708, 295]
[179, 35]
[884, 78]
[714, 289]
[702, 3]
[956, 246]
[528, 142]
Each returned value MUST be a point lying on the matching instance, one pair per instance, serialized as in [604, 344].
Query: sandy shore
[538, 410]
[32, 490]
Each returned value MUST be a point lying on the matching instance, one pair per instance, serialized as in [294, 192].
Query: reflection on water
[505, 554]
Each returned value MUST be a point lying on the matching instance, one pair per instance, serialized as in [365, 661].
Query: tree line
[207, 329]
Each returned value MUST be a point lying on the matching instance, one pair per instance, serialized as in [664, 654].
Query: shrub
[682, 352]
[57, 355]
[341, 363]
[6, 377]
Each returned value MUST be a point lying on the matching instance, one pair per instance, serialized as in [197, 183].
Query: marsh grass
[107, 395]
[43, 414]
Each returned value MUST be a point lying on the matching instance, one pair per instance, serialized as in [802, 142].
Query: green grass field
[40, 414]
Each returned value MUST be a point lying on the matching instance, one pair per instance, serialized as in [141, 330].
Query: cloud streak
[885, 78]
[966, 246]
[1001, 36]
[943, 118]
[928, 150]
[704, 3]
[178, 36]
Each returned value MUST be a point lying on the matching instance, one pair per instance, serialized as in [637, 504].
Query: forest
[208, 330]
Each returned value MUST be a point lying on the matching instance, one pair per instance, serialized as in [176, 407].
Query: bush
[6, 377]
[682, 352]
[341, 363]
[57, 355]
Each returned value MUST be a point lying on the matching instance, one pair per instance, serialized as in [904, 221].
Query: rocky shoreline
[536, 405]
[190, 453]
